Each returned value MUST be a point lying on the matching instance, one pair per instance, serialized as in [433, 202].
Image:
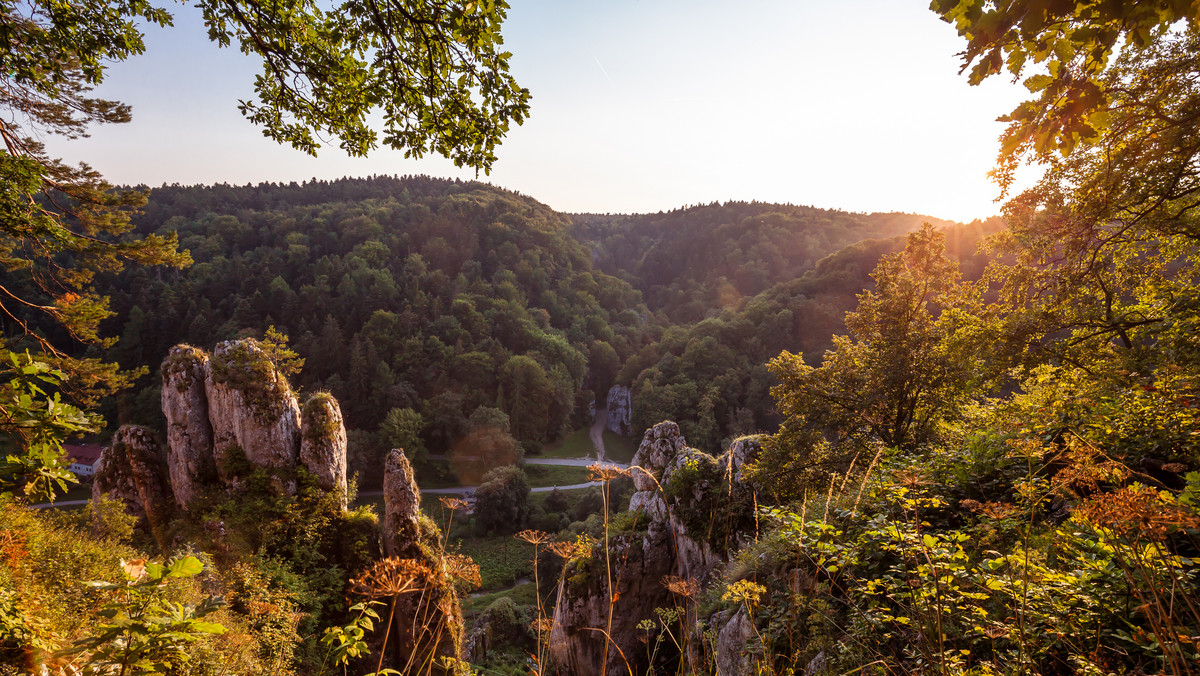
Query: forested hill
[429, 307]
[689, 261]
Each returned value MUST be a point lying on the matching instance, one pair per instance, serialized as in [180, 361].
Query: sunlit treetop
[1072, 45]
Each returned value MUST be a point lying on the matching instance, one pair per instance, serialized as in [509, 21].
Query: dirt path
[597, 432]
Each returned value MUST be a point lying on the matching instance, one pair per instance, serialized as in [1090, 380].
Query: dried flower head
[463, 568]
[1137, 512]
[686, 588]
[542, 625]
[910, 478]
[533, 537]
[453, 504]
[564, 549]
[393, 576]
[992, 510]
[605, 472]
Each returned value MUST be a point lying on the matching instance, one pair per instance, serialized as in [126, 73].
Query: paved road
[60, 503]
[572, 462]
[597, 432]
[464, 490]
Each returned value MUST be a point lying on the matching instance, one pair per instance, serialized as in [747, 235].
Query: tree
[1103, 250]
[502, 500]
[432, 70]
[897, 373]
[401, 428]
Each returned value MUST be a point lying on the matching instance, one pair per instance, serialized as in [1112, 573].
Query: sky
[638, 106]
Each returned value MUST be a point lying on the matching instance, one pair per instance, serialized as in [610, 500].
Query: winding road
[596, 433]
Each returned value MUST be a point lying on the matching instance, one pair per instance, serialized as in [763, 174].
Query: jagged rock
[659, 446]
[323, 442]
[401, 508]
[620, 410]
[731, 643]
[131, 470]
[743, 451]
[817, 665]
[666, 548]
[189, 433]
[582, 607]
[429, 624]
[252, 409]
[501, 625]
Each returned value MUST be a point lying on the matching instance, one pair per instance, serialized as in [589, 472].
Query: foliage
[35, 420]
[1073, 46]
[433, 71]
[502, 501]
[146, 633]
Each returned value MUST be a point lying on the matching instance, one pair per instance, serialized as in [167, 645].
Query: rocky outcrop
[620, 410]
[428, 624]
[254, 413]
[234, 412]
[189, 433]
[401, 508]
[679, 492]
[735, 630]
[131, 470]
[323, 442]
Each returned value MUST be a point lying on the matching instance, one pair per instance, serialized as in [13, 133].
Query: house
[83, 458]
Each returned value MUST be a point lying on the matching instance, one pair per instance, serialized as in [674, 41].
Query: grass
[554, 475]
[572, 497]
[577, 444]
[501, 558]
[618, 448]
[523, 595]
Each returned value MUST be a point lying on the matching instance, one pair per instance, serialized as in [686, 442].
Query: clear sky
[638, 105]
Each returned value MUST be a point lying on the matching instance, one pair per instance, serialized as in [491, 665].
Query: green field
[522, 594]
[618, 448]
[553, 475]
[577, 444]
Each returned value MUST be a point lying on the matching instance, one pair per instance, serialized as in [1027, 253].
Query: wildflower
[745, 592]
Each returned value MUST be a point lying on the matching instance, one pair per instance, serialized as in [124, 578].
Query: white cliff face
[251, 407]
[323, 443]
[189, 433]
[620, 410]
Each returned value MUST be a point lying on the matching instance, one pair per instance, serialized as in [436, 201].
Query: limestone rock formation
[189, 433]
[735, 630]
[323, 442]
[131, 470]
[252, 409]
[660, 445]
[401, 508]
[675, 485]
[743, 451]
[620, 410]
[429, 624]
